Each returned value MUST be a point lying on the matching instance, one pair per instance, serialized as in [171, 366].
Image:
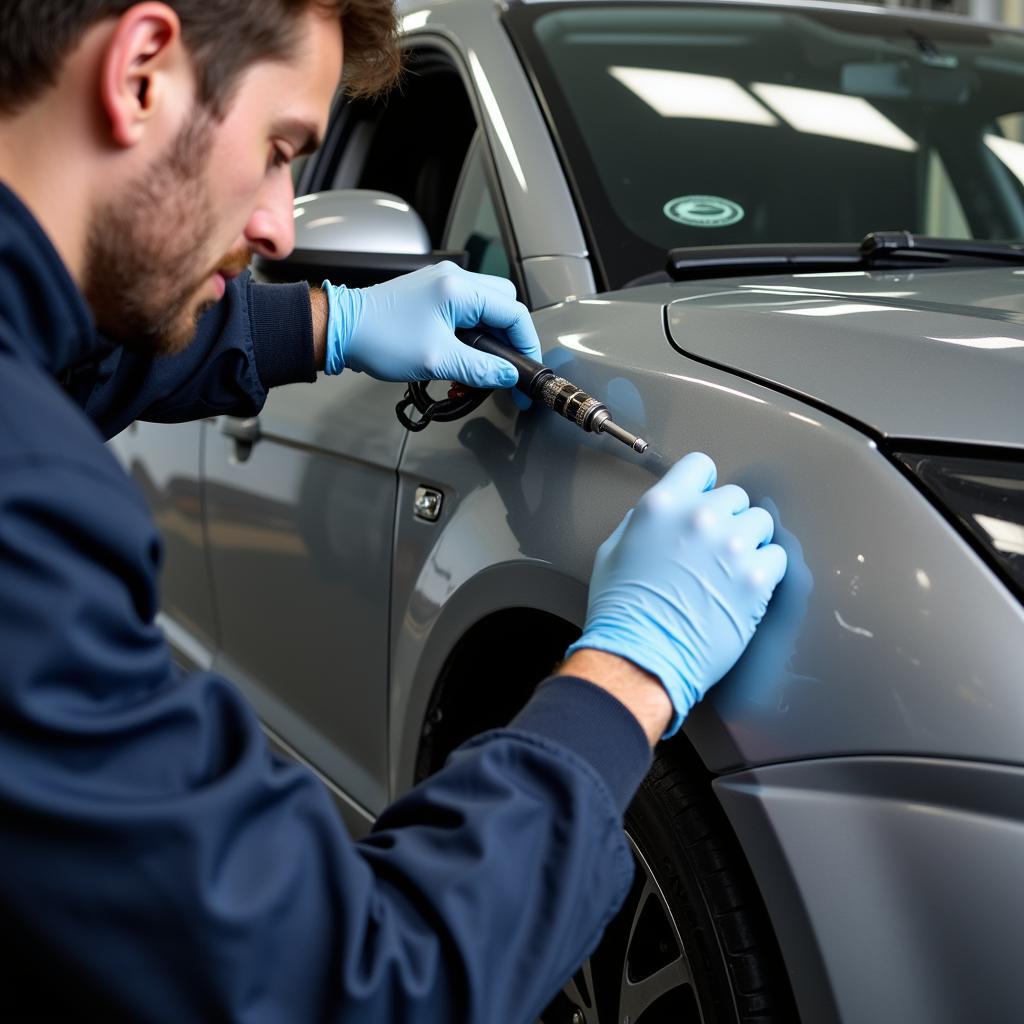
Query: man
[158, 862]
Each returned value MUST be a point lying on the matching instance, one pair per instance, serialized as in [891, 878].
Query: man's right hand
[404, 329]
[679, 588]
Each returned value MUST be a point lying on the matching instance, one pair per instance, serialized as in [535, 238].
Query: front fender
[893, 884]
[889, 634]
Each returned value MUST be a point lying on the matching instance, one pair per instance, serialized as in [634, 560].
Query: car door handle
[244, 432]
[247, 430]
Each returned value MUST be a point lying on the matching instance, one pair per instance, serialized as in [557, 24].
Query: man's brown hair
[223, 38]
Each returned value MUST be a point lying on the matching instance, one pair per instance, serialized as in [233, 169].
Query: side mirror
[355, 237]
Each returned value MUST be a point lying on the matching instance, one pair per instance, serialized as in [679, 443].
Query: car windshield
[725, 124]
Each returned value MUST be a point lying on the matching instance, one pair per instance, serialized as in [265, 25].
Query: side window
[422, 143]
[298, 166]
[473, 224]
[412, 143]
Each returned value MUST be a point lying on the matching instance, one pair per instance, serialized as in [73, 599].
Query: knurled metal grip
[568, 400]
[540, 383]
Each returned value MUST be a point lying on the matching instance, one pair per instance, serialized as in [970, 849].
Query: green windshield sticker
[703, 211]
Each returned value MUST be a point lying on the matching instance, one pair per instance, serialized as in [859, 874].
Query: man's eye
[279, 158]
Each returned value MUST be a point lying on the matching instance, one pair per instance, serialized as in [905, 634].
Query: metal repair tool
[542, 384]
[537, 381]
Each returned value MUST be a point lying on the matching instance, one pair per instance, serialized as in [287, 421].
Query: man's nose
[271, 228]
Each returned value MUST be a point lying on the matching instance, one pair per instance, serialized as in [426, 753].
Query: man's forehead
[296, 94]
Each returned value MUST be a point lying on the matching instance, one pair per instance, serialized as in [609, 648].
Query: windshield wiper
[880, 250]
[879, 243]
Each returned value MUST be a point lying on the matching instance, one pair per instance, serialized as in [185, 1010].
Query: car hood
[936, 354]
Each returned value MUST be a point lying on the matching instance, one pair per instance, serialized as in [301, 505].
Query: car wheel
[692, 942]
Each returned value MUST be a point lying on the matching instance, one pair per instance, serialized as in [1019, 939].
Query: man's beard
[147, 251]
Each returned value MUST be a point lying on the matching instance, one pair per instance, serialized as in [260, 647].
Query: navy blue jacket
[157, 862]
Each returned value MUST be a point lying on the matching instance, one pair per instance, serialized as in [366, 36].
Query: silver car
[779, 233]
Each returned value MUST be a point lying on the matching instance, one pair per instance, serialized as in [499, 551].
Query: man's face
[160, 251]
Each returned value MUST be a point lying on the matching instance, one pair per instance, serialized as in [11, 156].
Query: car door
[300, 502]
[164, 460]
[299, 522]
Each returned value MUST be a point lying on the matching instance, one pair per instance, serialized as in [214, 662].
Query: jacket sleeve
[165, 866]
[256, 337]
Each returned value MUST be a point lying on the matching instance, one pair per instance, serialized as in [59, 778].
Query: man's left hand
[403, 330]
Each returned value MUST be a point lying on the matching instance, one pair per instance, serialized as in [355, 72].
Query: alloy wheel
[640, 974]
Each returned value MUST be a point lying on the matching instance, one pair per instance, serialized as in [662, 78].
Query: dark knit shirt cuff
[282, 333]
[590, 722]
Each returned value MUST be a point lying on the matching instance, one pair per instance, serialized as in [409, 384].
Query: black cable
[461, 401]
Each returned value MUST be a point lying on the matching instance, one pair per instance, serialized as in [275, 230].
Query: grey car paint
[868, 746]
[167, 466]
[895, 883]
[553, 279]
[301, 594]
[825, 336]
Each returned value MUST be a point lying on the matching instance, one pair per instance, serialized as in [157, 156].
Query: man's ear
[142, 66]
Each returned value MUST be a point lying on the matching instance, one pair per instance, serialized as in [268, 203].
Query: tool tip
[638, 444]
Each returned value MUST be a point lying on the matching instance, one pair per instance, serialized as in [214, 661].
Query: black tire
[692, 943]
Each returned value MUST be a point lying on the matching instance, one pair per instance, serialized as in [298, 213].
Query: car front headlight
[985, 497]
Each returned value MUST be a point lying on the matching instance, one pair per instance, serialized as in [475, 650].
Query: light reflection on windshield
[838, 117]
[682, 94]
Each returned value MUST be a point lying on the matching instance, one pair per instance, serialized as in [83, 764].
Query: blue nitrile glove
[403, 329]
[682, 583]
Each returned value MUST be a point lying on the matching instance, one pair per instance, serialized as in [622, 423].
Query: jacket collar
[39, 302]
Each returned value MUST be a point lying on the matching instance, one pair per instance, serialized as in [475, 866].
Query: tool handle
[541, 383]
[531, 373]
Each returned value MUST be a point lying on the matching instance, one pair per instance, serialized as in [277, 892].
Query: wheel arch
[504, 628]
[460, 707]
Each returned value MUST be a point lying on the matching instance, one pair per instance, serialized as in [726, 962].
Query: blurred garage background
[1009, 11]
